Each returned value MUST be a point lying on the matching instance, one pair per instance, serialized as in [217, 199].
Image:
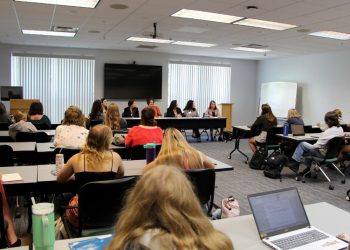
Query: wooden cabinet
[226, 111]
[21, 104]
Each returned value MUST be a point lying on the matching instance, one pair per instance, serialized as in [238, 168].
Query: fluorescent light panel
[265, 24]
[251, 49]
[148, 40]
[204, 45]
[48, 33]
[73, 3]
[206, 16]
[331, 34]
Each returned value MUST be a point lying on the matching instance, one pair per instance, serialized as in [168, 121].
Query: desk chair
[6, 158]
[138, 152]
[272, 141]
[42, 126]
[95, 122]
[203, 181]
[3, 240]
[99, 205]
[67, 152]
[32, 136]
[4, 126]
[334, 146]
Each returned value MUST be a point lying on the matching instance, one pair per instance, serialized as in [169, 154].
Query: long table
[244, 235]
[184, 122]
[238, 133]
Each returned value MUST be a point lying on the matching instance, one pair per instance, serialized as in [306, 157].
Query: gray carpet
[243, 180]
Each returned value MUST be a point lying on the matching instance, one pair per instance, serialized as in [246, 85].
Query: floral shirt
[70, 136]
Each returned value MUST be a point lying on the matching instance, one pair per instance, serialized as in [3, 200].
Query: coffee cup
[43, 226]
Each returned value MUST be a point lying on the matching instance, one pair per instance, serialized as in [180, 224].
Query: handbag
[229, 207]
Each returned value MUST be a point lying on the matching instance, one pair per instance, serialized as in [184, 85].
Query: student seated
[318, 149]
[4, 116]
[36, 115]
[94, 163]
[72, 133]
[294, 118]
[213, 111]
[21, 125]
[260, 127]
[173, 110]
[162, 212]
[113, 119]
[150, 103]
[146, 132]
[131, 110]
[96, 113]
[177, 152]
[323, 126]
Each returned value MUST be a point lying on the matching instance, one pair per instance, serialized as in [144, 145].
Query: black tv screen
[10, 92]
[132, 81]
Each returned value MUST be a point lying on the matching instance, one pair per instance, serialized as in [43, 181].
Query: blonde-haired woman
[113, 119]
[94, 163]
[157, 217]
[176, 151]
[294, 117]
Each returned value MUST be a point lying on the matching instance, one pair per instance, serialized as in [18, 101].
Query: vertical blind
[57, 82]
[201, 83]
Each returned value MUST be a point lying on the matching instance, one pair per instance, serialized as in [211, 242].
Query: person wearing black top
[259, 129]
[131, 110]
[173, 110]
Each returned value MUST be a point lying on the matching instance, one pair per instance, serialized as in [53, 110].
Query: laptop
[282, 222]
[297, 129]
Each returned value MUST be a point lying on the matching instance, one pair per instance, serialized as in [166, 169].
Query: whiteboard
[281, 96]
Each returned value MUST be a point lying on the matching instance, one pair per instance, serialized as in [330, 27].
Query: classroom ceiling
[108, 28]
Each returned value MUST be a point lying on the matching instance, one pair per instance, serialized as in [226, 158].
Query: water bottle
[150, 152]
[285, 129]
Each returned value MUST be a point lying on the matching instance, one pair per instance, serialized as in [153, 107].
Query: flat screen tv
[132, 81]
[10, 92]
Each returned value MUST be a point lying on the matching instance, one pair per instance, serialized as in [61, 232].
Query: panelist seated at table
[176, 151]
[163, 212]
[72, 133]
[146, 132]
[151, 104]
[94, 163]
[260, 127]
[131, 110]
[318, 149]
[36, 115]
[21, 125]
[113, 119]
[191, 111]
[213, 111]
[173, 110]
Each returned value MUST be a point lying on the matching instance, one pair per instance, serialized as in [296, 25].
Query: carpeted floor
[243, 180]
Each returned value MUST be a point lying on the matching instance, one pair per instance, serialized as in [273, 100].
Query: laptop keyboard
[299, 239]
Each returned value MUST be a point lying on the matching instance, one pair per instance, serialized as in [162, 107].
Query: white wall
[243, 73]
[323, 82]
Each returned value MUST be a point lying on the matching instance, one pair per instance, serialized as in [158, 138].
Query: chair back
[4, 126]
[271, 138]
[334, 146]
[42, 126]
[101, 201]
[3, 241]
[95, 122]
[138, 152]
[309, 129]
[6, 158]
[67, 152]
[203, 181]
[32, 136]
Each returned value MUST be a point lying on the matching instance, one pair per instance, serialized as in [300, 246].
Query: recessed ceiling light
[251, 49]
[148, 40]
[195, 44]
[207, 16]
[118, 6]
[73, 3]
[94, 31]
[331, 34]
[265, 24]
[48, 33]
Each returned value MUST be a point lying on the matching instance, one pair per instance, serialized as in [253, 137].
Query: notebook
[297, 129]
[282, 222]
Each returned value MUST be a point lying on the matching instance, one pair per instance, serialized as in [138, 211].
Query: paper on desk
[11, 177]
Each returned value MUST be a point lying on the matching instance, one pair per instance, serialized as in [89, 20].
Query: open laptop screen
[278, 211]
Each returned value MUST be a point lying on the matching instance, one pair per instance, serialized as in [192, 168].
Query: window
[56, 81]
[201, 83]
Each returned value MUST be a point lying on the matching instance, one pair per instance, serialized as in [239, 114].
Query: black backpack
[257, 161]
[275, 164]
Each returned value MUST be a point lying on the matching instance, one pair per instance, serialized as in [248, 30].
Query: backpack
[275, 164]
[257, 161]
[227, 136]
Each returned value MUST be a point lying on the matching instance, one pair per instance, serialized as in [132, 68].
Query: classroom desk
[45, 147]
[184, 122]
[20, 146]
[244, 235]
[4, 135]
[239, 132]
[309, 137]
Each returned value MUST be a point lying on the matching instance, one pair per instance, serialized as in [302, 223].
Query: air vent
[256, 46]
[147, 47]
